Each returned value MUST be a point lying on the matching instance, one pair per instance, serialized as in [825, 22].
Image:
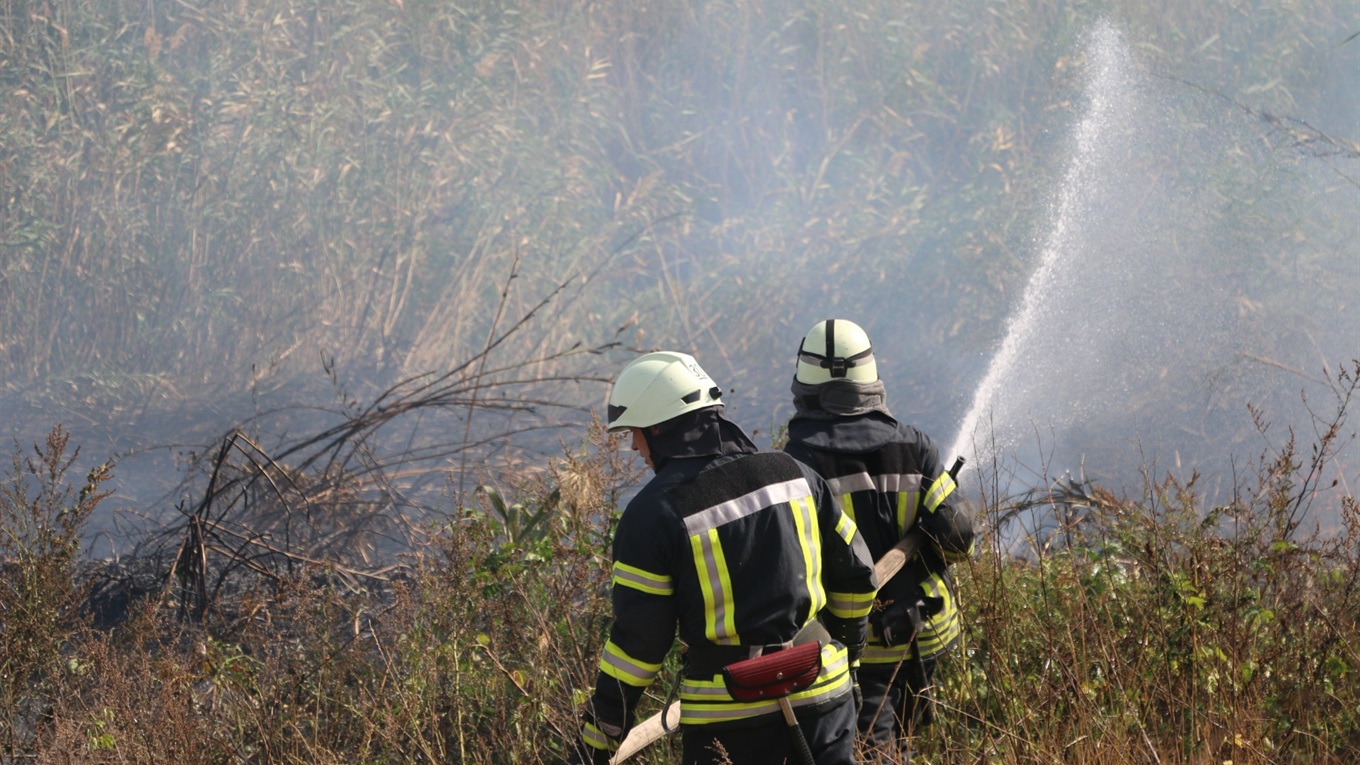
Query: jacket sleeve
[944, 517]
[847, 571]
[642, 633]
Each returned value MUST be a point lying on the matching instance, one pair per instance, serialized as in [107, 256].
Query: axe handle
[897, 556]
[802, 753]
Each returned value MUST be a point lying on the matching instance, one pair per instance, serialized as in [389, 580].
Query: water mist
[1116, 311]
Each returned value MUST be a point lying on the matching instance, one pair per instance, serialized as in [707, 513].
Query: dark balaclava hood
[839, 398]
[700, 433]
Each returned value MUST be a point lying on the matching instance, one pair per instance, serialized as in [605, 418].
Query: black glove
[900, 622]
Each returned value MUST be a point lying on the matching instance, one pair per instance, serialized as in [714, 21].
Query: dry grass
[1147, 630]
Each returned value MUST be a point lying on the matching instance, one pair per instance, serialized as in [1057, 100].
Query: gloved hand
[856, 692]
[900, 621]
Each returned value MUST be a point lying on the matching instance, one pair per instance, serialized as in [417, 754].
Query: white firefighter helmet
[836, 349]
[658, 387]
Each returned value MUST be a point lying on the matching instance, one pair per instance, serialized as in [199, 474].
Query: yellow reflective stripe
[956, 557]
[644, 581]
[720, 618]
[848, 506]
[942, 488]
[882, 654]
[938, 639]
[944, 627]
[597, 738]
[616, 663]
[805, 519]
[850, 605]
[906, 500]
[728, 616]
[846, 527]
[707, 701]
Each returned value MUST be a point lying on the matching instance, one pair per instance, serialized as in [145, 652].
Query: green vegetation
[1136, 630]
[1161, 630]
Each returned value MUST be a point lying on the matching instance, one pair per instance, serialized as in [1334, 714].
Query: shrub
[41, 517]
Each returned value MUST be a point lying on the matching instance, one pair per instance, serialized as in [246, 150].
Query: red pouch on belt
[774, 674]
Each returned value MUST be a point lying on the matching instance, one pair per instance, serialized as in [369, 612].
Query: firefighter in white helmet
[888, 477]
[737, 551]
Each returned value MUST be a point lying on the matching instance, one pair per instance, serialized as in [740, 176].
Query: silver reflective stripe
[880, 483]
[717, 611]
[643, 581]
[899, 482]
[628, 671]
[719, 713]
[598, 738]
[688, 690]
[842, 604]
[731, 510]
[850, 483]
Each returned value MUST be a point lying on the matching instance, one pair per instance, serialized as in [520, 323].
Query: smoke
[1184, 311]
[225, 229]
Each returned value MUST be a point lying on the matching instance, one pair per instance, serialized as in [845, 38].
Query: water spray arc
[1001, 411]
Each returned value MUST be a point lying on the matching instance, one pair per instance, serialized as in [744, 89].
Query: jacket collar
[701, 433]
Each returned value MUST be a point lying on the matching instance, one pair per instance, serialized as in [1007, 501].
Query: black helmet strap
[838, 365]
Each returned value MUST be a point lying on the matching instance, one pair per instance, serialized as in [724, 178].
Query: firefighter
[739, 551]
[888, 478]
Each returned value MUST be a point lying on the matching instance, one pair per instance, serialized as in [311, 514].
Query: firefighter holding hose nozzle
[888, 478]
